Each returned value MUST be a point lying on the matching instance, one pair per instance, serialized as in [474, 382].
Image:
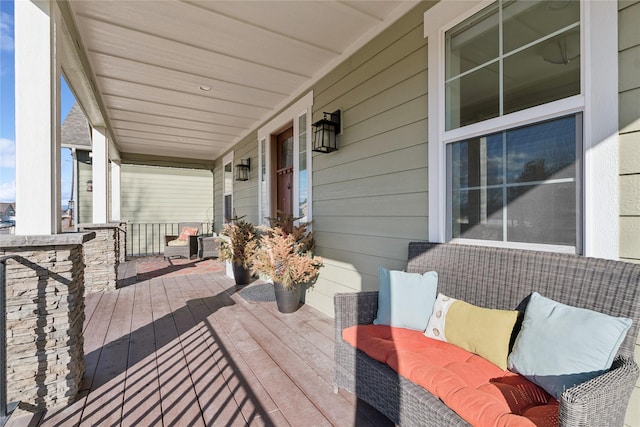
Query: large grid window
[511, 56]
[519, 183]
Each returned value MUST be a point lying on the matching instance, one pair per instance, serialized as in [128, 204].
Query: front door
[284, 173]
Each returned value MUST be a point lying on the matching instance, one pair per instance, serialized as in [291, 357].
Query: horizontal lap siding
[154, 194]
[629, 104]
[370, 197]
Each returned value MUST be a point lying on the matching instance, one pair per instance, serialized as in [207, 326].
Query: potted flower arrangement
[235, 239]
[284, 254]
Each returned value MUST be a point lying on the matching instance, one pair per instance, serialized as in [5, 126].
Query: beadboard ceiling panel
[151, 60]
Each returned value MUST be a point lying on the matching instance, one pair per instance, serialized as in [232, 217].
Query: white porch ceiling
[149, 59]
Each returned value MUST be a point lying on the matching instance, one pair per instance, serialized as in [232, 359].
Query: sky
[7, 116]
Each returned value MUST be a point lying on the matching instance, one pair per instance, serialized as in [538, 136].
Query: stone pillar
[102, 257]
[45, 317]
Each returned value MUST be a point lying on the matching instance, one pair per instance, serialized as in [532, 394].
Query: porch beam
[99, 165]
[37, 116]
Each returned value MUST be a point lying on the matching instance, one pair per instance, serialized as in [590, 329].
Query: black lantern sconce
[90, 185]
[325, 135]
[242, 170]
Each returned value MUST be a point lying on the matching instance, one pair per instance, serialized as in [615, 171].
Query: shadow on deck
[187, 349]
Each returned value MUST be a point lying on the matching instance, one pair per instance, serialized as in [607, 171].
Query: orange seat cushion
[476, 389]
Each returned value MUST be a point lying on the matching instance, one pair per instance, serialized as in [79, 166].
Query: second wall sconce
[242, 170]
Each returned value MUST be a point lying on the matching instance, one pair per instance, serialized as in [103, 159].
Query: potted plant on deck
[235, 238]
[285, 255]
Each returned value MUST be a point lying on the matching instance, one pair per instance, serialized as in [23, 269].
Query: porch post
[115, 191]
[37, 115]
[99, 163]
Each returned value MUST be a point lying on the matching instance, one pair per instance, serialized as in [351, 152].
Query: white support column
[99, 165]
[37, 115]
[115, 191]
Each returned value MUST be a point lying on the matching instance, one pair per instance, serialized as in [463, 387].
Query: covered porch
[187, 347]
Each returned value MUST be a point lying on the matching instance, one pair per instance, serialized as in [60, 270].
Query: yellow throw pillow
[483, 331]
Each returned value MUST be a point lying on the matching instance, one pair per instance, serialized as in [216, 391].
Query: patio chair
[186, 243]
[208, 246]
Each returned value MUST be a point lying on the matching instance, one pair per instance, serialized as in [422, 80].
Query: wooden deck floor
[191, 351]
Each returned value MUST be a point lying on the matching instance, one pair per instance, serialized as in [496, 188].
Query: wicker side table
[208, 247]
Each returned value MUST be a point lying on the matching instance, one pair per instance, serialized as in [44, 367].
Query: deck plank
[179, 400]
[104, 403]
[214, 396]
[142, 394]
[249, 394]
[190, 350]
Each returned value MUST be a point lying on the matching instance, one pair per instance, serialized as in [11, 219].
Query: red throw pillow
[186, 232]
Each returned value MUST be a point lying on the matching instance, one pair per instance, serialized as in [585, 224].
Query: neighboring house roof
[75, 130]
[8, 209]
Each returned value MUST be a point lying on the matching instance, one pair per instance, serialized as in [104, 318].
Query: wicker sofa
[499, 278]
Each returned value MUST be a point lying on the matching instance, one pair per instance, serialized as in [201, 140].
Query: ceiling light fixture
[562, 50]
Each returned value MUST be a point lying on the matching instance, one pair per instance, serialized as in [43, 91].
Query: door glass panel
[228, 208]
[286, 153]
[227, 189]
[302, 168]
[264, 196]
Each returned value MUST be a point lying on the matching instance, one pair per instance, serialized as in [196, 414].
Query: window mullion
[501, 62]
[504, 187]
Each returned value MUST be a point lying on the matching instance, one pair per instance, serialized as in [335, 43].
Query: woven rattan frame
[499, 278]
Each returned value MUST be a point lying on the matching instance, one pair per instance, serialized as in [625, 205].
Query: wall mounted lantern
[242, 170]
[90, 185]
[325, 135]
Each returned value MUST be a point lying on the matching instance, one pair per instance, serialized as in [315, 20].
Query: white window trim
[228, 158]
[598, 102]
[290, 115]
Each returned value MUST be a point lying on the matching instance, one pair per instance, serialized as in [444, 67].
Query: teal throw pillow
[560, 346]
[405, 300]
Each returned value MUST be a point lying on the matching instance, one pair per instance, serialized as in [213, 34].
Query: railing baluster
[153, 241]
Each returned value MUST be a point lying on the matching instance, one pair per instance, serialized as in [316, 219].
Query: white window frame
[291, 115]
[227, 191]
[598, 101]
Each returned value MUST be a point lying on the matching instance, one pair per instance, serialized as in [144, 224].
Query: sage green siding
[152, 194]
[629, 105]
[370, 197]
[84, 197]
